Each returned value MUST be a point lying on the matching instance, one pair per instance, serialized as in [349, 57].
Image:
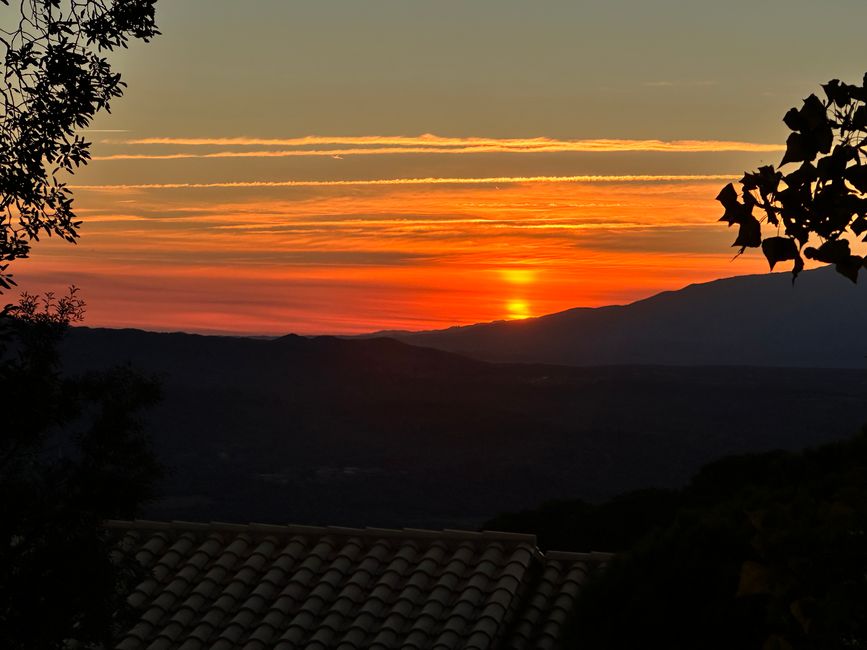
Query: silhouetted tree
[72, 453]
[72, 450]
[822, 201]
[55, 80]
[761, 551]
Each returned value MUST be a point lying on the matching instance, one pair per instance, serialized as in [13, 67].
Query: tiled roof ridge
[298, 529]
[572, 556]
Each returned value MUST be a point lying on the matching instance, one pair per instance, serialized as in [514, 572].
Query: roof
[260, 586]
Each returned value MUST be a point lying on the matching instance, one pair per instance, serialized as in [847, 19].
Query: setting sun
[518, 310]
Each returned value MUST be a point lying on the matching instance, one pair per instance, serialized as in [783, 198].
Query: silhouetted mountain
[755, 320]
[378, 432]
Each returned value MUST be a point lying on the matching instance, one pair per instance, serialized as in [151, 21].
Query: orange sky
[341, 166]
[358, 258]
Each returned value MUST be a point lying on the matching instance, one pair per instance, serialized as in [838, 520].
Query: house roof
[259, 586]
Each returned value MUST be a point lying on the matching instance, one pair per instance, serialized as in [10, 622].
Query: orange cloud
[492, 180]
[439, 144]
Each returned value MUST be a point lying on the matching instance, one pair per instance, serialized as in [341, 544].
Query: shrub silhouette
[73, 452]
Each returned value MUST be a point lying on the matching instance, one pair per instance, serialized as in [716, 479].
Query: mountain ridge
[751, 320]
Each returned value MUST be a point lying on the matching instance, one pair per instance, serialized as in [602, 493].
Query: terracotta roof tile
[260, 586]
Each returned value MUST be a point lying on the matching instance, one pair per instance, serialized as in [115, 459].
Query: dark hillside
[379, 432]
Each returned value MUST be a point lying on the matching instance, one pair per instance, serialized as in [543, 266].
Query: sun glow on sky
[518, 310]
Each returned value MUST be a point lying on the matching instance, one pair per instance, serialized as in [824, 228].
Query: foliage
[824, 199]
[56, 78]
[766, 551]
[613, 526]
[72, 453]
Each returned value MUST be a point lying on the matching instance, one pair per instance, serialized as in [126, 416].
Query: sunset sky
[348, 166]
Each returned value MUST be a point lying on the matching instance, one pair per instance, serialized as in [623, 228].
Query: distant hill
[378, 432]
[756, 320]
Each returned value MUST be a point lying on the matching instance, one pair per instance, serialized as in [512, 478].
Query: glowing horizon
[269, 259]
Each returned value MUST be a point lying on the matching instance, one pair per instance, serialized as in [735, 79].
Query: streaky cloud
[456, 145]
[492, 180]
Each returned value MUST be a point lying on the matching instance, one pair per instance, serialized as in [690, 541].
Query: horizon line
[384, 333]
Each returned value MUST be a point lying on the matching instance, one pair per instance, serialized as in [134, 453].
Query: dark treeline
[758, 550]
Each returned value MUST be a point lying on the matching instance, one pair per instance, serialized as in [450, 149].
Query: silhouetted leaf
[802, 177]
[749, 233]
[728, 196]
[779, 249]
[813, 114]
[857, 175]
[833, 251]
[793, 119]
[735, 211]
[837, 92]
[796, 150]
[833, 166]
[859, 223]
[850, 267]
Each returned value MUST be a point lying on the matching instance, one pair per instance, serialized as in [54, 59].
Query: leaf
[735, 211]
[728, 196]
[793, 120]
[859, 225]
[834, 166]
[749, 233]
[813, 114]
[802, 177]
[838, 93]
[755, 579]
[833, 251]
[796, 150]
[823, 138]
[779, 249]
[850, 267]
[857, 175]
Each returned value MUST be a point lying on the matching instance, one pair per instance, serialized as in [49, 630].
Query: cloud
[492, 180]
[671, 84]
[428, 144]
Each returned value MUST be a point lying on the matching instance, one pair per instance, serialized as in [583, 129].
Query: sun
[518, 309]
